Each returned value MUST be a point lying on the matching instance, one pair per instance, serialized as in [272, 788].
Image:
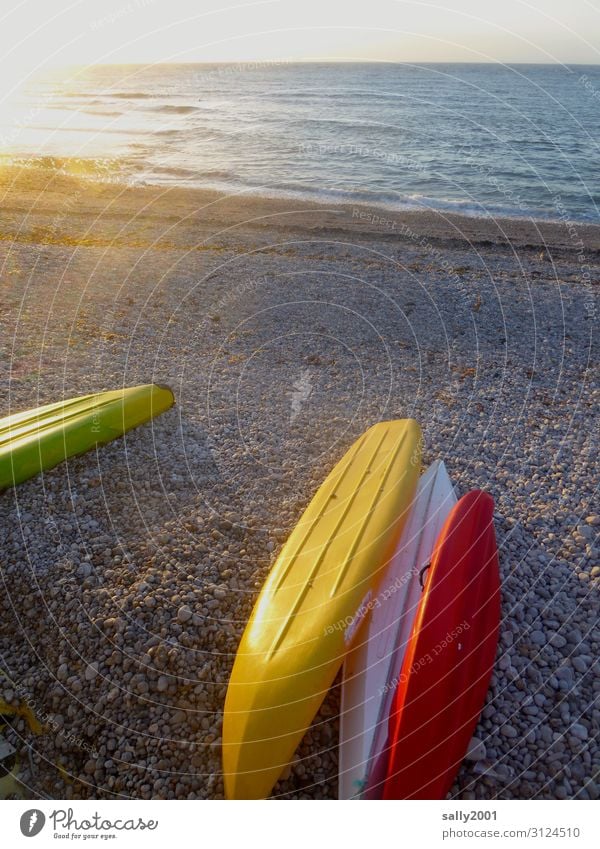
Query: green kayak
[36, 440]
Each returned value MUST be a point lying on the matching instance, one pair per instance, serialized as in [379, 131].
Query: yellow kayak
[309, 609]
[38, 439]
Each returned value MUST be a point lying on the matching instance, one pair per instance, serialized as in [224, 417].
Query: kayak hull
[311, 605]
[373, 666]
[37, 440]
[449, 659]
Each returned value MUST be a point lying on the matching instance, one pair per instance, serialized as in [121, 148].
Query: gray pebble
[579, 731]
[476, 750]
[184, 614]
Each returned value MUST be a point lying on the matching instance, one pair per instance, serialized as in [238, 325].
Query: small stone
[538, 638]
[91, 671]
[579, 731]
[558, 641]
[162, 684]
[184, 614]
[580, 664]
[566, 674]
[178, 717]
[509, 731]
[561, 792]
[476, 750]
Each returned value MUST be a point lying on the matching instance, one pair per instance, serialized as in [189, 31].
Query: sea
[479, 139]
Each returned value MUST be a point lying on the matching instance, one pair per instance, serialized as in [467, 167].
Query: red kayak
[448, 661]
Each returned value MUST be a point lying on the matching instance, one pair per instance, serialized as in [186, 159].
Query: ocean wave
[104, 113]
[117, 131]
[107, 93]
[170, 108]
[469, 207]
[340, 96]
[169, 133]
[130, 95]
[390, 202]
[220, 174]
[174, 173]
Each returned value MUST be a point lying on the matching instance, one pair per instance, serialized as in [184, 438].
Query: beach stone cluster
[128, 574]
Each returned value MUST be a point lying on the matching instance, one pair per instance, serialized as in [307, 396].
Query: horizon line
[283, 61]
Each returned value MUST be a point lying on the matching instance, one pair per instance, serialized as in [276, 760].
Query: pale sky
[39, 34]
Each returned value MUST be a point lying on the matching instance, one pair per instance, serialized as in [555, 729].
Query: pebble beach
[285, 329]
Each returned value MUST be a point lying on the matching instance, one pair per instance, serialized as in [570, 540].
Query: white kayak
[373, 665]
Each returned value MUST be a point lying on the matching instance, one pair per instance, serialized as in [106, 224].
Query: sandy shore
[285, 330]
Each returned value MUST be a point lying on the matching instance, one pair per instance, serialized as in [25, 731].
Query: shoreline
[230, 210]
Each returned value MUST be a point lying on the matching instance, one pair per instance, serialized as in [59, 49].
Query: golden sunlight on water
[49, 118]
